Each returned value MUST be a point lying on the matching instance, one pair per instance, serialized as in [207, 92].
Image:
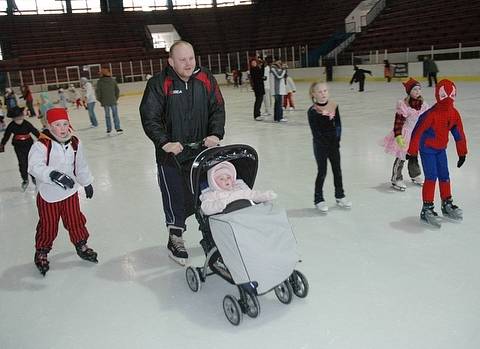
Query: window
[78, 6]
[81, 6]
[3, 7]
[222, 3]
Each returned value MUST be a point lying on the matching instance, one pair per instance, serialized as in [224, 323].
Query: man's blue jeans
[116, 120]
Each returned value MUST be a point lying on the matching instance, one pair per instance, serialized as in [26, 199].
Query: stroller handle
[193, 145]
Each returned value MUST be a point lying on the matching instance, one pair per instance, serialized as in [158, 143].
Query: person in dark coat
[181, 106]
[430, 70]
[256, 79]
[22, 141]
[107, 93]
[359, 76]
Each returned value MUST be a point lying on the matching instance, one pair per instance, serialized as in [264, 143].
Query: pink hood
[223, 167]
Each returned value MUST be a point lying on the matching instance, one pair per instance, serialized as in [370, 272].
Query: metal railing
[446, 52]
[129, 71]
[221, 63]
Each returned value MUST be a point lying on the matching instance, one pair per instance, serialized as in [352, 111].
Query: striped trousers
[49, 215]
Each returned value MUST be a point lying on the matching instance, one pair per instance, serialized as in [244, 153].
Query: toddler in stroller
[224, 188]
[250, 246]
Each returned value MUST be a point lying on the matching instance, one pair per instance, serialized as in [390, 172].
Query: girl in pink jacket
[396, 142]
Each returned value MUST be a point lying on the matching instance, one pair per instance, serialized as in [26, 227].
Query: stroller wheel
[232, 310]
[299, 284]
[284, 292]
[193, 279]
[252, 305]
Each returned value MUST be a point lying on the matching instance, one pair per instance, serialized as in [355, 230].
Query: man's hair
[178, 43]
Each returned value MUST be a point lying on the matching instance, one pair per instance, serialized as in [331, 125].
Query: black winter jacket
[173, 110]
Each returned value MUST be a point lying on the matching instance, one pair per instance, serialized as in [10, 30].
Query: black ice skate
[451, 211]
[429, 216]
[41, 261]
[176, 246]
[418, 181]
[85, 252]
[24, 185]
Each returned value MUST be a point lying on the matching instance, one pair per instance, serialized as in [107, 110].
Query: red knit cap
[56, 114]
[410, 84]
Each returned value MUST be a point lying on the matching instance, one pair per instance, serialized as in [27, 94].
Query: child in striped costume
[58, 163]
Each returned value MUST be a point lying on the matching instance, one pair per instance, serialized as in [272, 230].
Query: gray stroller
[251, 246]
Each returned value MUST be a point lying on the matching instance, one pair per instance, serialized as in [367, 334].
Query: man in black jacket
[256, 79]
[181, 105]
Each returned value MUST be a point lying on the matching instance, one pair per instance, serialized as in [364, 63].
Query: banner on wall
[400, 70]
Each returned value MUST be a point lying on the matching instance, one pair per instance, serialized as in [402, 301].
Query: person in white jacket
[89, 94]
[58, 164]
[224, 188]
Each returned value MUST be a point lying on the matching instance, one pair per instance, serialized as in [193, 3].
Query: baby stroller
[250, 246]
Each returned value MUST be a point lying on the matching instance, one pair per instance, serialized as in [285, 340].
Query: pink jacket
[214, 199]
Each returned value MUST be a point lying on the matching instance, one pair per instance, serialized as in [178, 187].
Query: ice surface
[379, 279]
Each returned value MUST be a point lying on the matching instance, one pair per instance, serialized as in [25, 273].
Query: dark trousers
[49, 215]
[176, 197]
[22, 155]
[332, 153]
[277, 108]
[30, 108]
[258, 104]
[361, 84]
[432, 76]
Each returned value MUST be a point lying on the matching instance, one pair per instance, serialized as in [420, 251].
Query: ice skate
[344, 203]
[41, 261]
[417, 180]
[24, 185]
[399, 185]
[429, 216]
[451, 211]
[176, 249]
[85, 252]
[322, 206]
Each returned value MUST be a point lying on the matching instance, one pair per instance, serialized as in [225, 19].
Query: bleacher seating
[417, 25]
[45, 41]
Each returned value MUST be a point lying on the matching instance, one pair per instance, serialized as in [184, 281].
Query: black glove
[413, 157]
[89, 191]
[62, 180]
[461, 160]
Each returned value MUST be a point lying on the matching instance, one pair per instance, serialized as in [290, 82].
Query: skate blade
[452, 219]
[92, 260]
[343, 207]
[398, 188]
[417, 183]
[436, 225]
[180, 261]
[42, 271]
